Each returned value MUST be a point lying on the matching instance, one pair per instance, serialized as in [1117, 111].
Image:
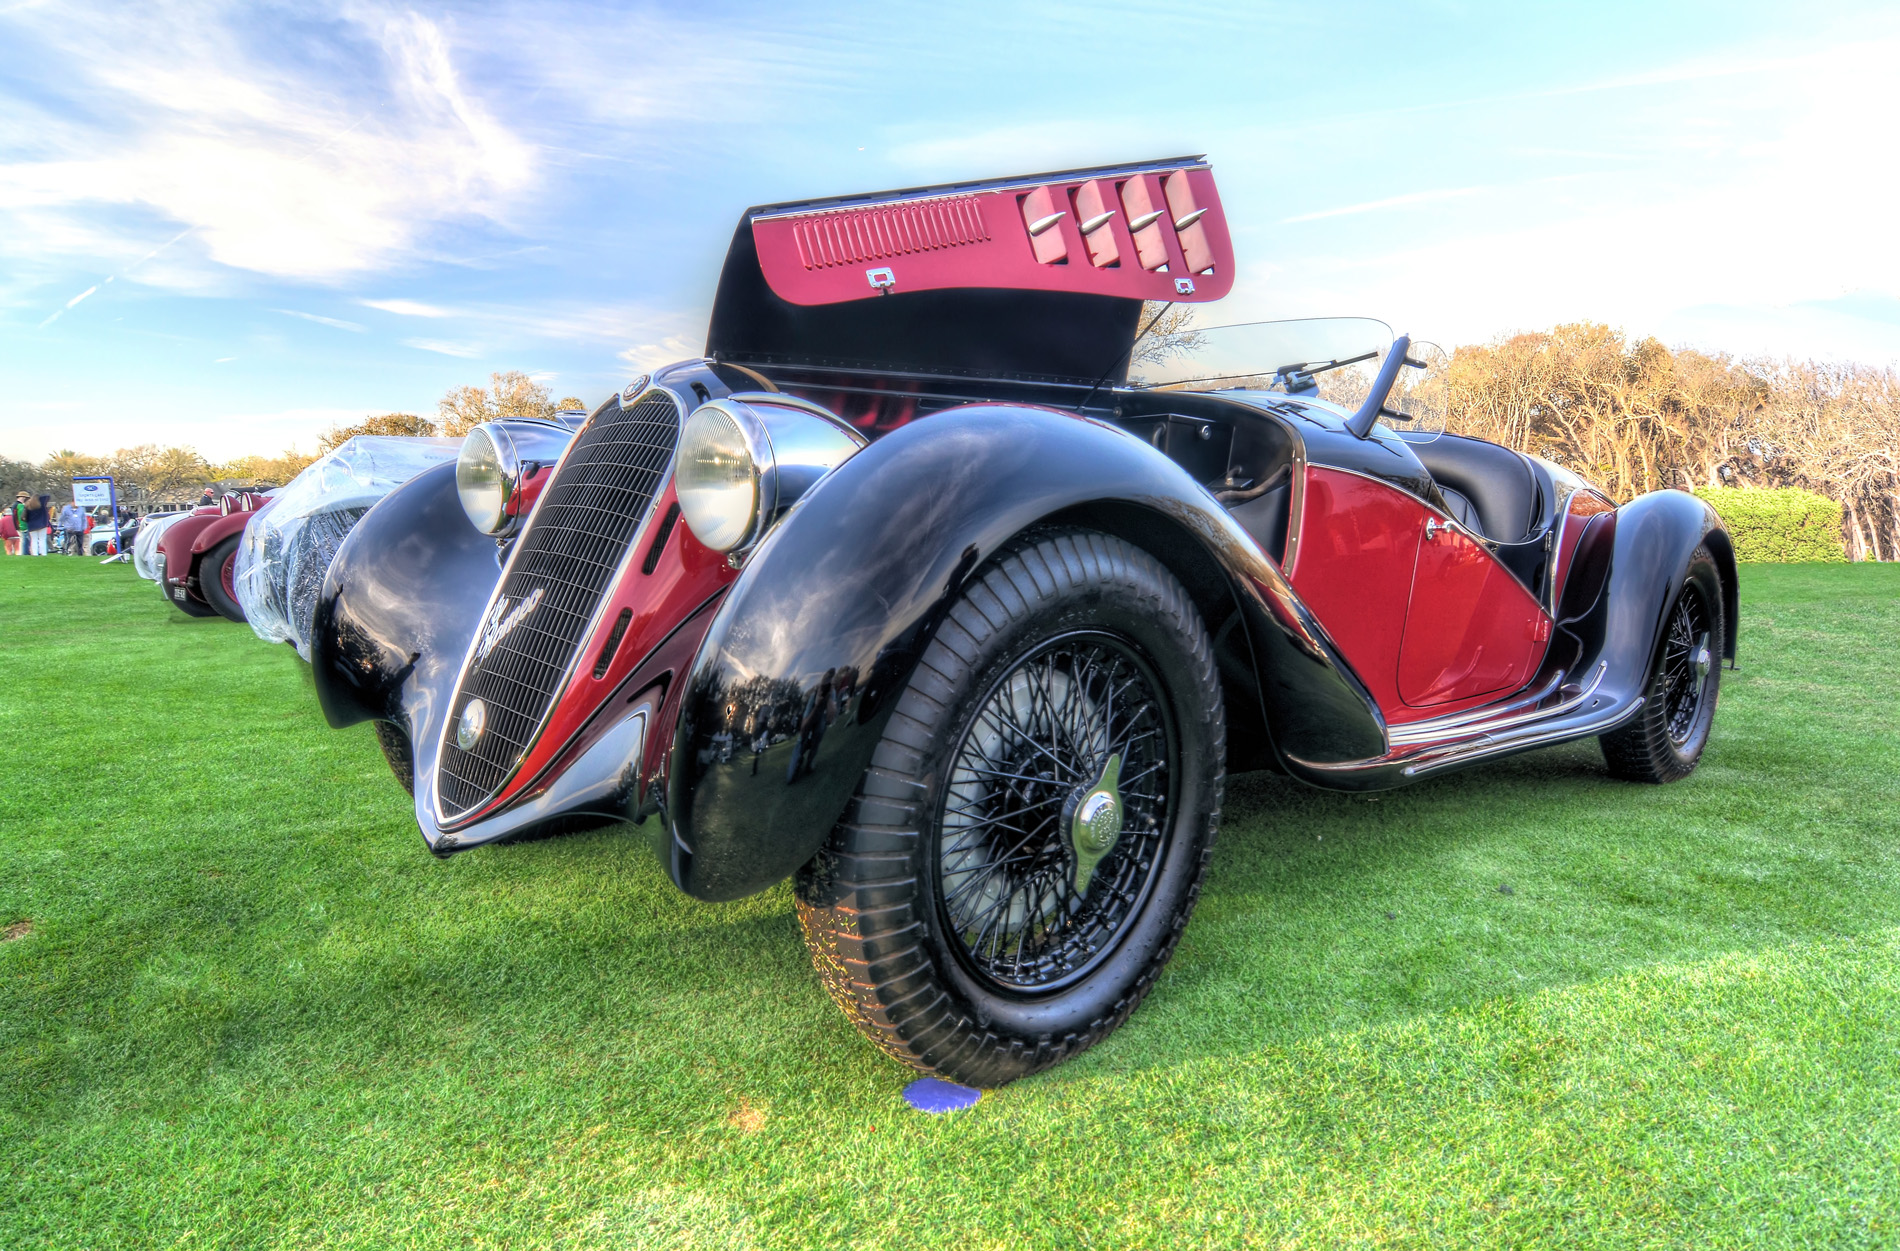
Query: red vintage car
[945, 586]
[200, 556]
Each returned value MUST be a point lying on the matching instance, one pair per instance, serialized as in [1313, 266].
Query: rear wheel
[1029, 842]
[1664, 741]
[180, 598]
[217, 577]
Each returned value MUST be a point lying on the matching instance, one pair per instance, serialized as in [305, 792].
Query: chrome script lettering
[498, 627]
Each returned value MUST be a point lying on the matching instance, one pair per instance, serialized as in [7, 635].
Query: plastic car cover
[146, 556]
[287, 547]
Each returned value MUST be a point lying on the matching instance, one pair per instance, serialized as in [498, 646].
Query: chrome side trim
[1581, 716]
[1466, 753]
[1295, 504]
[1485, 720]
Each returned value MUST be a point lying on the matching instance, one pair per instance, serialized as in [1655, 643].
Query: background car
[287, 548]
[200, 555]
[942, 587]
[147, 557]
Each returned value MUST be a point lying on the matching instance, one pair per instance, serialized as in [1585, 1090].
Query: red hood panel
[1137, 233]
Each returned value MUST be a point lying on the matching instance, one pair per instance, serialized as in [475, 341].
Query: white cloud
[665, 352]
[1736, 200]
[333, 322]
[1397, 201]
[446, 349]
[406, 308]
[277, 170]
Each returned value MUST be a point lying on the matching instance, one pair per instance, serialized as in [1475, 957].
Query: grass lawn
[1523, 1006]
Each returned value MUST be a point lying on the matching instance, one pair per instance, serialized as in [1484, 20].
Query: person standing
[73, 520]
[38, 519]
[9, 531]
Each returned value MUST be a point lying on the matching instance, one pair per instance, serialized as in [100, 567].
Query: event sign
[91, 492]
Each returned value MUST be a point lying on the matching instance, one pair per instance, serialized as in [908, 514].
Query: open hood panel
[1035, 276]
[1152, 231]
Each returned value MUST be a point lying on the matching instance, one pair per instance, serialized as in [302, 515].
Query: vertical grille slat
[569, 554]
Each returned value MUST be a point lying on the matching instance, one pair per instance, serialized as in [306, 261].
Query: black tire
[219, 562]
[394, 741]
[1111, 645]
[1664, 740]
[181, 599]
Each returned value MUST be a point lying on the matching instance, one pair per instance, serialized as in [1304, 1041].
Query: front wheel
[1030, 839]
[1663, 742]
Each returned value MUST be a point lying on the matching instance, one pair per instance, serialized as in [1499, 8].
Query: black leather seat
[1492, 482]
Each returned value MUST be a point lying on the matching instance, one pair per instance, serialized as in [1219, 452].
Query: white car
[287, 547]
[146, 558]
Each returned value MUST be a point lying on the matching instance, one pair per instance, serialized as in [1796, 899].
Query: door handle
[1434, 527]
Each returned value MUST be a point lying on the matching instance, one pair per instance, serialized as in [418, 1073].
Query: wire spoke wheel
[1029, 843]
[1665, 738]
[1058, 803]
[1685, 666]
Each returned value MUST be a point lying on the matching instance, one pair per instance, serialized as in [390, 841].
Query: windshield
[1291, 356]
[1334, 359]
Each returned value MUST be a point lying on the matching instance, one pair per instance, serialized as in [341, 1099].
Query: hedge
[1778, 524]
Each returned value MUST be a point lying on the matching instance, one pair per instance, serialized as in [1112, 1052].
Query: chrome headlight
[745, 459]
[487, 475]
[718, 477]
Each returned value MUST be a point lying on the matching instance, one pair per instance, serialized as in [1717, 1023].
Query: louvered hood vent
[562, 567]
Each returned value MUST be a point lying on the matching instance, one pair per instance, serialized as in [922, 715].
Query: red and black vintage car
[199, 556]
[939, 588]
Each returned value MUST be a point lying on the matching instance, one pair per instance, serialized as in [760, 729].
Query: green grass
[251, 1010]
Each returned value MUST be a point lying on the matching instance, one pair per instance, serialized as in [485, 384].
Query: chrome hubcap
[1097, 824]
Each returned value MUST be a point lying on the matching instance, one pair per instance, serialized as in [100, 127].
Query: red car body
[186, 544]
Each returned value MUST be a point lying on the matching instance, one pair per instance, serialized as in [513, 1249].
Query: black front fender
[790, 693]
[400, 603]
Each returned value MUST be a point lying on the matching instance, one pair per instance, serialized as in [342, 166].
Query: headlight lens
[717, 480]
[483, 481]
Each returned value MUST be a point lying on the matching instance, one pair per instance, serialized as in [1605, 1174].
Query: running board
[1425, 748]
[1485, 720]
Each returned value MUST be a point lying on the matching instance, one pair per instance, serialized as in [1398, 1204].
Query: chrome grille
[564, 561]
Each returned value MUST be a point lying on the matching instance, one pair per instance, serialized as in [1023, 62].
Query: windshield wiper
[1297, 378]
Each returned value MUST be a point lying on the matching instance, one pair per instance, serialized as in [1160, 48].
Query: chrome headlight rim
[496, 514]
[716, 533]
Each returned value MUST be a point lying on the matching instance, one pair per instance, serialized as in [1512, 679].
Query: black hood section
[1041, 336]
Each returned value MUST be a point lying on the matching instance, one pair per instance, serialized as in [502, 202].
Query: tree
[174, 470]
[1170, 333]
[397, 424]
[509, 394]
[571, 404]
[263, 471]
[63, 466]
[20, 475]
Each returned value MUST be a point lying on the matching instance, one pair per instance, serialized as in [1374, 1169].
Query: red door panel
[1472, 629]
[1354, 568]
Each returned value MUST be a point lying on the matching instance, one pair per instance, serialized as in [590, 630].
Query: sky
[231, 226]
